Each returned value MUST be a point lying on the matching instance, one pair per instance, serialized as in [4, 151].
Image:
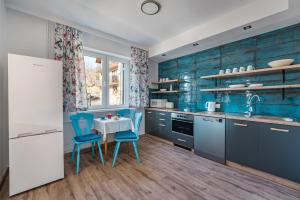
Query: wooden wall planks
[257, 51]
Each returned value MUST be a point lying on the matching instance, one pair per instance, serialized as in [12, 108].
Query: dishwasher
[209, 138]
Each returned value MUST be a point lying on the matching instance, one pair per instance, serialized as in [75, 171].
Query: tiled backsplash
[256, 51]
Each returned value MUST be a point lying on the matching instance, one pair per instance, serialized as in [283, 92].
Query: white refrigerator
[35, 97]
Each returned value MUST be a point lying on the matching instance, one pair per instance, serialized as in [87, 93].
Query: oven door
[183, 126]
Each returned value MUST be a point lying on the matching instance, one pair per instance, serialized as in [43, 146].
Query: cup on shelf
[242, 69]
[228, 71]
[167, 79]
[164, 79]
[221, 72]
[161, 80]
[235, 70]
[250, 68]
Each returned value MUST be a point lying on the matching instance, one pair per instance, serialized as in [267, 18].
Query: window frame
[105, 78]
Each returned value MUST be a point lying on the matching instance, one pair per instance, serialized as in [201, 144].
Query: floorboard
[166, 172]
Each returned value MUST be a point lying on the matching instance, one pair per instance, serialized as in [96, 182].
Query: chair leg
[116, 153]
[93, 150]
[78, 159]
[73, 153]
[136, 151]
[100, 153]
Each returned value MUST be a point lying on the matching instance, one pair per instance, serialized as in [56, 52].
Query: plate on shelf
[237, 86]
[281, 63]
[256, 85]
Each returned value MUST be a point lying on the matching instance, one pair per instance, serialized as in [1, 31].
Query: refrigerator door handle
[51, 131]
[25, 134]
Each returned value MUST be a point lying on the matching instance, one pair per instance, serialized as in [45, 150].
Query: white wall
[3, 93]
[30, 35]
[27, 35]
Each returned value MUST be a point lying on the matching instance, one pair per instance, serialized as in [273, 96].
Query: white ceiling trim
[77, 26]
[255, 11]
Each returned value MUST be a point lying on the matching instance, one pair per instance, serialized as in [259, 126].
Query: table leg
[127, 147]
[105, 148]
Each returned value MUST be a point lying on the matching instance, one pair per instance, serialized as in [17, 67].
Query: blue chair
[129, 136]
[84, 135]
[127, 113]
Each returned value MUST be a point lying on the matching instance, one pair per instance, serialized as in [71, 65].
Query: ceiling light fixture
[150, 7]
[247, 27]
[163, 54]
[195, 44]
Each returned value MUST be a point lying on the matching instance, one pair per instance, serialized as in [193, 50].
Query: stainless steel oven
[183, 130]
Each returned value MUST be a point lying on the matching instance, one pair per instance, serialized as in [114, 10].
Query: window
[106, 80]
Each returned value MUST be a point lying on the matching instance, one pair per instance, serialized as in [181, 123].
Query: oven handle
[191, 122]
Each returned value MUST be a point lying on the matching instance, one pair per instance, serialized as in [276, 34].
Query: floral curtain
[68, 48]
[138, 80]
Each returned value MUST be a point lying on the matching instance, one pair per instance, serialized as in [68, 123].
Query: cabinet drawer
[183, 140]
[163, 116]
[164, 130]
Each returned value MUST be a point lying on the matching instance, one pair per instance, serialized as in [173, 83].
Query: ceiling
[178, 25]
[123, 18]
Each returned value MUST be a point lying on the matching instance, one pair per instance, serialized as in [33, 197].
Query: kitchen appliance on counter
[158, 103]
[169, 105]
[36, 154]
[210, 106]
[183, 130]
[209, 138]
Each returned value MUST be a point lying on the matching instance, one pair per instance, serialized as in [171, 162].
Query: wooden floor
[166, 172]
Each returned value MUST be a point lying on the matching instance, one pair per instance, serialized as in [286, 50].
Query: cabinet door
[242, 141]
[163, 123]
[150, 126]
[279, 151]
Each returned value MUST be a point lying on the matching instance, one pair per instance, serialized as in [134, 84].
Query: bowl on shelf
[237, 86]
[281, 63]
[163, 90]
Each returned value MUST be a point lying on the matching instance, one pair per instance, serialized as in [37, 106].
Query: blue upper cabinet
[256, 51]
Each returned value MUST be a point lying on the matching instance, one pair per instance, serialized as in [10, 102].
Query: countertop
[236, 116]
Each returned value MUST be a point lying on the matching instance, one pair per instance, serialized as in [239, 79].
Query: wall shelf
[252, 88]
[167, 82]
[254, 72]
[167, 92]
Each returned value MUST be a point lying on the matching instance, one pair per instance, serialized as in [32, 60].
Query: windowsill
[95, 111]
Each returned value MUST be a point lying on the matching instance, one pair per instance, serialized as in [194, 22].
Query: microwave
[158, 103]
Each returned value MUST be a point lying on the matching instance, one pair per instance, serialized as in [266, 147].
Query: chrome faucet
[250, 105]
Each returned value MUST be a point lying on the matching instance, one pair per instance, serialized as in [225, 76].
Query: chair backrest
[137, 123]
[87, 119]
[127, 113]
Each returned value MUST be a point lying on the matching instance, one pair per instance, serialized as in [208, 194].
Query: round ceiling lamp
[150, 7]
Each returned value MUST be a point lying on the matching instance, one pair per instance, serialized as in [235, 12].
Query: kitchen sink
[287, 119]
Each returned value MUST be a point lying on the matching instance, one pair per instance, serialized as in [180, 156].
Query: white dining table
[109, 126]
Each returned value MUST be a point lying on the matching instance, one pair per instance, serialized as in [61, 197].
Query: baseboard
[273, 178]
[3, 176]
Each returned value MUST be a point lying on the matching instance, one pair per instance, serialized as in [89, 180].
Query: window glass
[116, 89]
[94, 77]
[106, 80]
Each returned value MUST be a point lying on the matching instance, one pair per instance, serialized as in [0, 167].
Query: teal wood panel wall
[256, 51]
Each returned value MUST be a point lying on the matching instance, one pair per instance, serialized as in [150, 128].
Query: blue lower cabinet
[150, 122]
[158, 123]
[279, 151]
[163, 123]
[242, 141]
[271, 148]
